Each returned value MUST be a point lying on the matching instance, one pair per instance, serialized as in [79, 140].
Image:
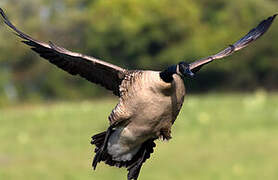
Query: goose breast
[148, 105]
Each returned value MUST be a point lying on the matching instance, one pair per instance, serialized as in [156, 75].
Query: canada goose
[149, 101]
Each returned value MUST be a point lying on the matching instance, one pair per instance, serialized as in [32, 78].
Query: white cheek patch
[178, 70]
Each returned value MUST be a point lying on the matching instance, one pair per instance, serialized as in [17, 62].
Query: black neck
[167, 74]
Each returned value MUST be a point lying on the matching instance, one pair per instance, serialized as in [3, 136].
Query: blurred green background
[216, 137]
[227, 129]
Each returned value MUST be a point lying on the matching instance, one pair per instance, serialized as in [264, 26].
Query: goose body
[139, 90]
[149, 101]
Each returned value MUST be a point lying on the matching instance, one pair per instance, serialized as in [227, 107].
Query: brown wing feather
[253, 35]
[108, 75]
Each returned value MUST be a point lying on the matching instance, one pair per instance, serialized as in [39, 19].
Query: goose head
[183, 69]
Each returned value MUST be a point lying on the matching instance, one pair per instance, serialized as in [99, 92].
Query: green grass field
[215, 137]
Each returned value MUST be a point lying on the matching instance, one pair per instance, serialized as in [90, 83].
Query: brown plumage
[149, 103]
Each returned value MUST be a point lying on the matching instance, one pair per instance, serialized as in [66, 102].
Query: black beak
[189, 72]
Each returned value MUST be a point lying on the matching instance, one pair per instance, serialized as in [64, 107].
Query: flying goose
[149, 101]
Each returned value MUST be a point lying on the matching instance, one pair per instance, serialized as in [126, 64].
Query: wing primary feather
[17, 32]
[251, 36]
[97, 71]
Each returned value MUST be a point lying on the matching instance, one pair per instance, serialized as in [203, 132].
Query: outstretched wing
[94, 70]
[253, 35]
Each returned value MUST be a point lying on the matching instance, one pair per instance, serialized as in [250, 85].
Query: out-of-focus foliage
[149, 34]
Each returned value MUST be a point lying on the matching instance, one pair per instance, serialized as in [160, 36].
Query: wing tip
[5, 18]
[2, 12]
[15, 30]
[262, 27]
[269, 20]
[8, 23]
[273, 17]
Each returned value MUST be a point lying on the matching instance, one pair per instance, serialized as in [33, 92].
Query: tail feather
[143, 155]
[98, 140]
[133, 166]
[101, 141]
